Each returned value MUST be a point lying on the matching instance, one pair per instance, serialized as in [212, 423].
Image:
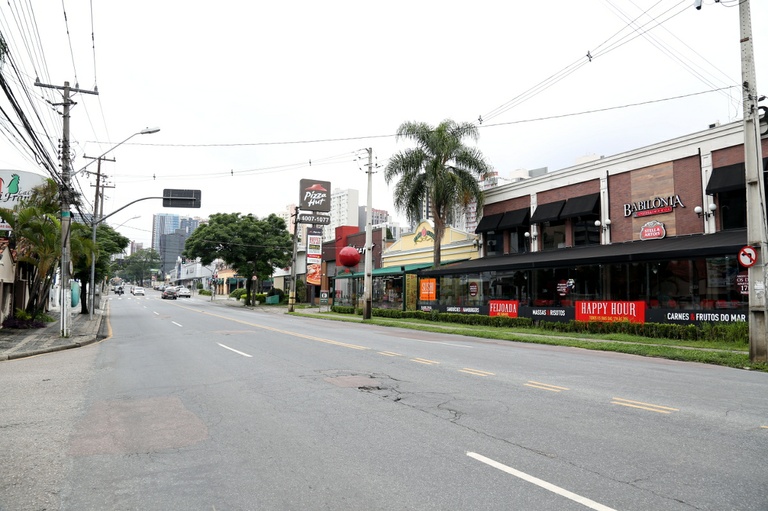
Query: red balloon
[349, 256]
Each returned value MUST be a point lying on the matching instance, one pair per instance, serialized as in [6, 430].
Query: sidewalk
[35, 341]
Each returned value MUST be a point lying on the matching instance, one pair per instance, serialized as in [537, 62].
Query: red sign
[610, 311]
[652, 230]
[506, 308]
[654, 211]
[747, 256]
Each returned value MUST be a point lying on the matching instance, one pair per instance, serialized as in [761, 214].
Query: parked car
[169, 293]
[137, 291]
[183, 292]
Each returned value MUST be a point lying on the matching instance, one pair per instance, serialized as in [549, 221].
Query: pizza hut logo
[653, 230]
[314, 195]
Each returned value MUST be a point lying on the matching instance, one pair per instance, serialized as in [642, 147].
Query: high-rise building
[344, 205]
[163, 223]
[135, 247]
[378, 216]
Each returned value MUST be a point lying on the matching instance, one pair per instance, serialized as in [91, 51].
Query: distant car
[169, 293]
[137, 291]
[183, 292]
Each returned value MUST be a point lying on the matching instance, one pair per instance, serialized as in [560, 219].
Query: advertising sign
[508, 308]
[14, 186]
[305, 218]
[652, 231]
[314, 255]
[610, 311]
[315, 195]
[427, 290]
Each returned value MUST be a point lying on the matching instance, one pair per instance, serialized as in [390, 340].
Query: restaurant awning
[724, 243]
[726, 179]
[513, 219]
[547, 212]
[489, 223]
[390, 270]
[729, 178]
[581, 206]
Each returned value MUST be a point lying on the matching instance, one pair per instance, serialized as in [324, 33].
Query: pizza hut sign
[315, 195]
[653, 231]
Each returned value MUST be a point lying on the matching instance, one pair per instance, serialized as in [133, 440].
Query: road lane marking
[278, 330]
[438, 342]
[541, 483]
[643, 406]
[763, 427]
[545, 386]
[175, 323]
[155, 313]
[476, 372]
[389, 354]
[424, 361]
[233, 349]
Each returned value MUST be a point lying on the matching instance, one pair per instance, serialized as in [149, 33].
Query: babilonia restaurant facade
[650, 235]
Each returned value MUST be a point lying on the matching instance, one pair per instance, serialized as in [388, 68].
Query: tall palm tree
[440, 170]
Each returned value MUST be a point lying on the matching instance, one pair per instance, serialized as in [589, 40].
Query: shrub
[237, 293]
[204, 292]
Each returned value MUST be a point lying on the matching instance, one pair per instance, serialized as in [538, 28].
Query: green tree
[36, 236]
[251, 246]
[137, 266]
[108, 242]
[440, 170]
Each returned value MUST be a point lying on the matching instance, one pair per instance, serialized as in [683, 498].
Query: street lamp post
[95, 221]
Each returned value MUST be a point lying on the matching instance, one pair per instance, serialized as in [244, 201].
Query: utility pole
[367, 290]
[94, 222]
[757, 229]
[66, 199]
[292, 292]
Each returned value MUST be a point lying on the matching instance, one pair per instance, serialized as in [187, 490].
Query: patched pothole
[359, 381]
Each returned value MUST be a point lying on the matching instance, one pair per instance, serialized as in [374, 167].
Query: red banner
[506, 308]
[610, 311]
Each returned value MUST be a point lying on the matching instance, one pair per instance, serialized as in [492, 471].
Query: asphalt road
[191, 405]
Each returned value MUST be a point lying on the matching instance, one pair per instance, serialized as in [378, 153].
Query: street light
[145, 131]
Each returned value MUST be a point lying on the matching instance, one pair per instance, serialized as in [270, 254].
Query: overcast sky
[247, 94]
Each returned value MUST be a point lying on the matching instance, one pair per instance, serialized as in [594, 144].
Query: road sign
[181, 198]
[314, 219]
[747, 256]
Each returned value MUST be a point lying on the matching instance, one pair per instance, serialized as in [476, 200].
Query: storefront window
[585, 232]
[733, 209]
[494, 243]
[552, 235]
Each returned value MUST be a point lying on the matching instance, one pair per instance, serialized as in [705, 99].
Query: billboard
[314, 255]
[315, 195]
[16, 185]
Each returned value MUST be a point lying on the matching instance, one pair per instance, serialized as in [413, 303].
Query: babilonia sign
[653, 206]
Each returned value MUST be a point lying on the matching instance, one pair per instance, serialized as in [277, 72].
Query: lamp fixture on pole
[700, 211]
[605, 225]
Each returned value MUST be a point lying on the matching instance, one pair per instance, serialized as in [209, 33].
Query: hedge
[736, 333]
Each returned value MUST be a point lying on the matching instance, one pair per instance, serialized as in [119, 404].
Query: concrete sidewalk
[35, 341]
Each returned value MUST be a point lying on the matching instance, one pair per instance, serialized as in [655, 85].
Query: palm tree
[440, 170]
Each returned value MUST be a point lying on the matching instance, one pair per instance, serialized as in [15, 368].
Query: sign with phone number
[314, 219]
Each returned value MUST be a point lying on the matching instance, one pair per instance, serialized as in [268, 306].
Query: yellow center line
[763, 427]
[424, 361]
[643, 406]
[476, 372]
[389, 354]
[545, 386]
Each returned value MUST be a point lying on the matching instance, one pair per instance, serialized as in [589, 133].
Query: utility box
[273, 300]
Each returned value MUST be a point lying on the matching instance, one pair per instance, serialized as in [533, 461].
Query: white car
[183, 292]
[137, 291]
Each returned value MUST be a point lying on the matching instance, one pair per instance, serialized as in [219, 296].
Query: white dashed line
[232, 349]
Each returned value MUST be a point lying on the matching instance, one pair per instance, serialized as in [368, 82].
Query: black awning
[581, 206]
[513, 219]
[489, 223]
[547, 212]
[726, 179]
[723, 243]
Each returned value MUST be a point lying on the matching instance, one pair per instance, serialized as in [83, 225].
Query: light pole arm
[122, 208]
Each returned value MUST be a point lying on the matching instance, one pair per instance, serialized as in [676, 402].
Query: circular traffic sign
[747, 256]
